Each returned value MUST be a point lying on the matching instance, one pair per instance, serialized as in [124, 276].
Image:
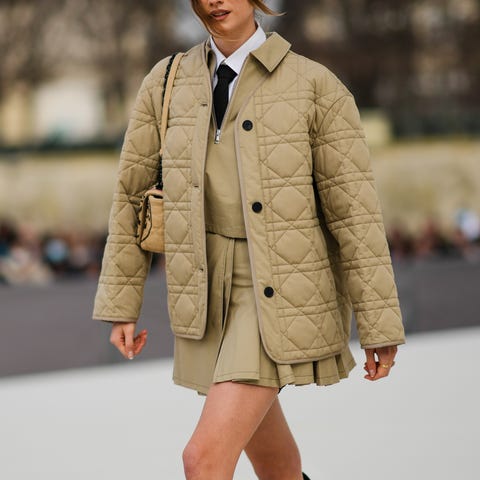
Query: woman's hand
[122, 337]
[380, 368]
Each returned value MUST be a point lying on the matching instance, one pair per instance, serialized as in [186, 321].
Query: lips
[219, 14]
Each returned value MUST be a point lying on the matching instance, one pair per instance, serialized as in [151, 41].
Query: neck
[230, 43]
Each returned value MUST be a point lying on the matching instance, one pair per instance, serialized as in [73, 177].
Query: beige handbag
[151, 226]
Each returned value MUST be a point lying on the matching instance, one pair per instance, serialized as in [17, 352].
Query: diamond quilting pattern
[177, 226]
[348, 197]
[177, 183]
[181, 269]
[124, 265]
[307, 133]
[276, 154]
[290, 203]
[184, 292]
[296, 290]
[293, 247]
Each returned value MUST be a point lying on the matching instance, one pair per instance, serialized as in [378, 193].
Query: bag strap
[167, 94]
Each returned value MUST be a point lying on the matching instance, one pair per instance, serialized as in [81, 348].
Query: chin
[221, 30]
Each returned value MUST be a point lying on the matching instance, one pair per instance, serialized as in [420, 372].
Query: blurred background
[69, 73]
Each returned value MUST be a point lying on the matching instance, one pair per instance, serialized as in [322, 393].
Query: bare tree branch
[24, 27]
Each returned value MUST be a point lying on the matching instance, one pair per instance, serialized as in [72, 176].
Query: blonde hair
[258, 4]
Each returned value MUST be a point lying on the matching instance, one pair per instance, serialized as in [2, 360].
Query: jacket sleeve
[349, 201]
[125, 265]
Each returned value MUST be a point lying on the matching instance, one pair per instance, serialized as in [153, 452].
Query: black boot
[305, 477]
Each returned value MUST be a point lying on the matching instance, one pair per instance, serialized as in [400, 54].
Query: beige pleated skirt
[231, 349]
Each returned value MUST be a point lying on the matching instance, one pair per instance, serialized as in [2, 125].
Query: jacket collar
[272, 51]
[269, 54]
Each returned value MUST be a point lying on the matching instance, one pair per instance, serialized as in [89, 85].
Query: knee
[198, 462]
[192, 459]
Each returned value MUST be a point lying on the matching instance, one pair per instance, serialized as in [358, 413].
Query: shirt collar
[237, 58]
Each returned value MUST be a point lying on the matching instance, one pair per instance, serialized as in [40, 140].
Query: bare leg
[230, 416]
[272, 448]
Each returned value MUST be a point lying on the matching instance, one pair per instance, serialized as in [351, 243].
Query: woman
[273, 236]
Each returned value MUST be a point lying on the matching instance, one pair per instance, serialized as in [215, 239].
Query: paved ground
[129, 421]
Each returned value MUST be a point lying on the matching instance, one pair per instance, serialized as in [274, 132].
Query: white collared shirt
[236, 60]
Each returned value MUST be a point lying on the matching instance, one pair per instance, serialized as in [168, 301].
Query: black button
[268, 292]
[247, 125]
[257, 207]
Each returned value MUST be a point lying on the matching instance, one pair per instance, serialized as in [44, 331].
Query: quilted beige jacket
[314, 223]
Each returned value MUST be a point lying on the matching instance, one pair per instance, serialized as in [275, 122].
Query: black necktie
[220, 95]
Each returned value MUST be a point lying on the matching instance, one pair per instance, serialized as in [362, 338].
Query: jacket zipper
[218, 130]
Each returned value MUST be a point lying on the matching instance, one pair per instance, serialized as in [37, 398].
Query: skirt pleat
[232, 348]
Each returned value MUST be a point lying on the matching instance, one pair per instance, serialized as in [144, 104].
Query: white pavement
[129, 422]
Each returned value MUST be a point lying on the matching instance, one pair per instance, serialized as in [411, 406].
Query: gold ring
[385, 365]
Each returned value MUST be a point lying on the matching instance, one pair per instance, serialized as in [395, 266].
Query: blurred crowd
[26, 257]
[433, 243]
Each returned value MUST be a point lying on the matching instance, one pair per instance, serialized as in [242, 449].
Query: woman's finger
[122, 337]
[383, 369]
[116, 338]
[140, 341]
[385, 362]
[370, 364]
[386, 355]
[128, 332]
